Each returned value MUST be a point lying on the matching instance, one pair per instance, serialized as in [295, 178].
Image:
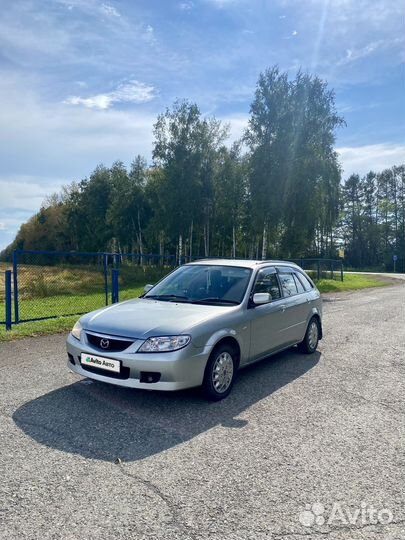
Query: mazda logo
[104, 343]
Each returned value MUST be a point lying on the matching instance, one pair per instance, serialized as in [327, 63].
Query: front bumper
[178, 369]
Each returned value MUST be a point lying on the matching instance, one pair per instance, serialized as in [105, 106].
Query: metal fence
[322, 268]
[49, 284]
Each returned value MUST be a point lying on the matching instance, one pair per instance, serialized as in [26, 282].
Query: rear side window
[267, 282]
[288, 284]
[305, 281]
[300, 286]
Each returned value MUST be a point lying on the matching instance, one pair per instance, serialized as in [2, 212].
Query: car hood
[145, 318]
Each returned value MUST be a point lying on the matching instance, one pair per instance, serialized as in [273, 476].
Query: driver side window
[267, 282]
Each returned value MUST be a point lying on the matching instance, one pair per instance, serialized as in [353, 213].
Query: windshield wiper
[166, 297]
[214, 301]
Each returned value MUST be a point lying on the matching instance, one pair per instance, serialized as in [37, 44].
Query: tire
[310, 342]
[219, 373]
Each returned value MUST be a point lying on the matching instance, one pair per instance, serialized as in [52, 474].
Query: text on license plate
[100, 362]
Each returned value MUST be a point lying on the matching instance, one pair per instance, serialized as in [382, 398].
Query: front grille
[110, 344]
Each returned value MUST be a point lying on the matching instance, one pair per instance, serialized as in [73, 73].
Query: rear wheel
[310, 342]
[219, 373]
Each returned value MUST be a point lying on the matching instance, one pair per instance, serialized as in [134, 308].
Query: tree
[230, 198]
[292, 161]
[185, 150]
[128, 211]
[86, 211]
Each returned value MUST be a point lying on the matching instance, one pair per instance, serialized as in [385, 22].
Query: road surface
[306, 447]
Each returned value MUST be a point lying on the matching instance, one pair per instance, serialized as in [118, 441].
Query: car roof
[244, 263]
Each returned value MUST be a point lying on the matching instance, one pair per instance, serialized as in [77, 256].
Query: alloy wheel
[222, 372]
[313, 335]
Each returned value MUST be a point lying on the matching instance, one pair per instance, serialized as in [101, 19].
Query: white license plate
[101, 363]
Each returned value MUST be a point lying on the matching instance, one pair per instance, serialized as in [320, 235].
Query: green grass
[351, 282]
[37, 328]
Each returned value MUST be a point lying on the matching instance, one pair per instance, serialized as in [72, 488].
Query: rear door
[296, 305]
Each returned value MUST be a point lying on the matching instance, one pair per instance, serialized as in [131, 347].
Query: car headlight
[77, 330]
[164, 343]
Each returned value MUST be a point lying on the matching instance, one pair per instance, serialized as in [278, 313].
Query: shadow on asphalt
[102, 421]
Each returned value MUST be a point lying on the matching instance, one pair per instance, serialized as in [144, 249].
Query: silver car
[198, 326]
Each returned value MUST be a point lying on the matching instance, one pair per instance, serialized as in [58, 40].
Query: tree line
[277, 192]
[372, 220]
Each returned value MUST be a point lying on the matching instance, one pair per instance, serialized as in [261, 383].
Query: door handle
[283, 308]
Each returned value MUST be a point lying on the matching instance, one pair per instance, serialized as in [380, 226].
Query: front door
[267, 320]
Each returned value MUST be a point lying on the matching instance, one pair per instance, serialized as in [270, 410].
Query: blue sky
[83, 80]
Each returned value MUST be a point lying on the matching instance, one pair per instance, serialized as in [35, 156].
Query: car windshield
[203, 284]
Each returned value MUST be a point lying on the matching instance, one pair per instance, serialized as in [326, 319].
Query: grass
[37, 328]
[351, 282]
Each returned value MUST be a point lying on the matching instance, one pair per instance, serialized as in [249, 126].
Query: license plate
[101, 363]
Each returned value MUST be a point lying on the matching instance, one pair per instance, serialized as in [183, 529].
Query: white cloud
[26, 192]
[10, 225]
[372, 157]
[336, 33]
[363, 52]
[350, 12]
[130, 92]
[237, 125]
[293, 34]
[109, 10]
[186, 6]
[223, 3]
[18, 39]
[91, 7]
[149, 34]
[352, 55]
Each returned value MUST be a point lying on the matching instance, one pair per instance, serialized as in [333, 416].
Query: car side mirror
[148, 287]
[261, 298]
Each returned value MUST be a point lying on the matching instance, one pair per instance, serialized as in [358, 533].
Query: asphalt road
[297, 430]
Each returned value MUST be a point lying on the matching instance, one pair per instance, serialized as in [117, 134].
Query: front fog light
[164, 343]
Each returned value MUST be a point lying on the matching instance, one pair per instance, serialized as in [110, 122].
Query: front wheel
[310, 342]
[219, 373]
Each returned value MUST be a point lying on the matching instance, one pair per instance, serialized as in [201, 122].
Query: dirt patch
[390, 279]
